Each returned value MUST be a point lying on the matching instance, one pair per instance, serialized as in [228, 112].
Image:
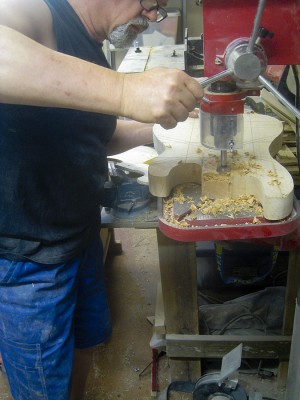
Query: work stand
[179, 319]
[184, 346]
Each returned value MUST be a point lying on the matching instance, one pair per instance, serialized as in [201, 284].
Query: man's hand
[161, 95]
[164, 96]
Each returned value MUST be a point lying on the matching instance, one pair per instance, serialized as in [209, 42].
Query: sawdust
[275, 181]
[228, 207]
[240, 165]
[216, 177]
[244, 164]
[246, 167]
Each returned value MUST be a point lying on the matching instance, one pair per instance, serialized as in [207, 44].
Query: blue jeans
[46, 311]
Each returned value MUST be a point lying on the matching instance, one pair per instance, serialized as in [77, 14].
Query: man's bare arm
[129, 134]
[33, 73]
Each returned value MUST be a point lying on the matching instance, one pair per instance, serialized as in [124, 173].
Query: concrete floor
[132, 279]
[116, 372]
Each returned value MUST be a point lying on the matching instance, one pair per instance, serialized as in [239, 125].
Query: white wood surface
[151, 57]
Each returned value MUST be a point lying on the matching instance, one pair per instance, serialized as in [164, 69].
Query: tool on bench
[122, 193]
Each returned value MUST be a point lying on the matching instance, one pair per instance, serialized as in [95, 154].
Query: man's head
[124, 35]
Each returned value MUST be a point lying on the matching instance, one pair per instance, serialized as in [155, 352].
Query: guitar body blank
[252, 170]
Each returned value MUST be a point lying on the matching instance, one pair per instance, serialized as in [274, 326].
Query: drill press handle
[246, 61]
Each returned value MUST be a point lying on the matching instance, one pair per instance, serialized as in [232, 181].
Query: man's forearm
[33, 74]
[130, 134]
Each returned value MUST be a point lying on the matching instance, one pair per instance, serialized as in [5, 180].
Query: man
[58, 106]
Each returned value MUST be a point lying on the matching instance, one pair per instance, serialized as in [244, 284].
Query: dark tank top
[53, 164]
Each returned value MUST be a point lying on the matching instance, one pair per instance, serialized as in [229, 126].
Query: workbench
[179, 320]
[144, 58]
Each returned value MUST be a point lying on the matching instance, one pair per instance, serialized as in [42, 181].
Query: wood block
[159, 323]
[253, 170]
[109, 242]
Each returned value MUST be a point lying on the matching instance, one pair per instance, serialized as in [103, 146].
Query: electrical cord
[210, 299]
[261, 372]
[195, 54]
[224, 329]
[278, 275]
[268, 398]
[264, 373]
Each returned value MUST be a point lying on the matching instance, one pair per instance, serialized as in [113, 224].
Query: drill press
[238, 64]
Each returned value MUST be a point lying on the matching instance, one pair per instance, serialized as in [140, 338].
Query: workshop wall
[193, 16]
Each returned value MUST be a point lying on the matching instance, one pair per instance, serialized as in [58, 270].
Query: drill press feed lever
[244, 63]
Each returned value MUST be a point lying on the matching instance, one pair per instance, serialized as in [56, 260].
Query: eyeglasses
[150, 5]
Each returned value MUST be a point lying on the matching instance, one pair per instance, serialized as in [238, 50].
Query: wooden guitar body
[252, 170]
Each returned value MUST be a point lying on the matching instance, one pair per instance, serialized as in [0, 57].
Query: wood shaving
[216, 177]
[227, 207]
[238, 163]
[272, 173]
[256, 221]
[246, 167]
[275, 181]
[231, 207]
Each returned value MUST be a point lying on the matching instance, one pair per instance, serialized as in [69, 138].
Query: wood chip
[226, 207]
